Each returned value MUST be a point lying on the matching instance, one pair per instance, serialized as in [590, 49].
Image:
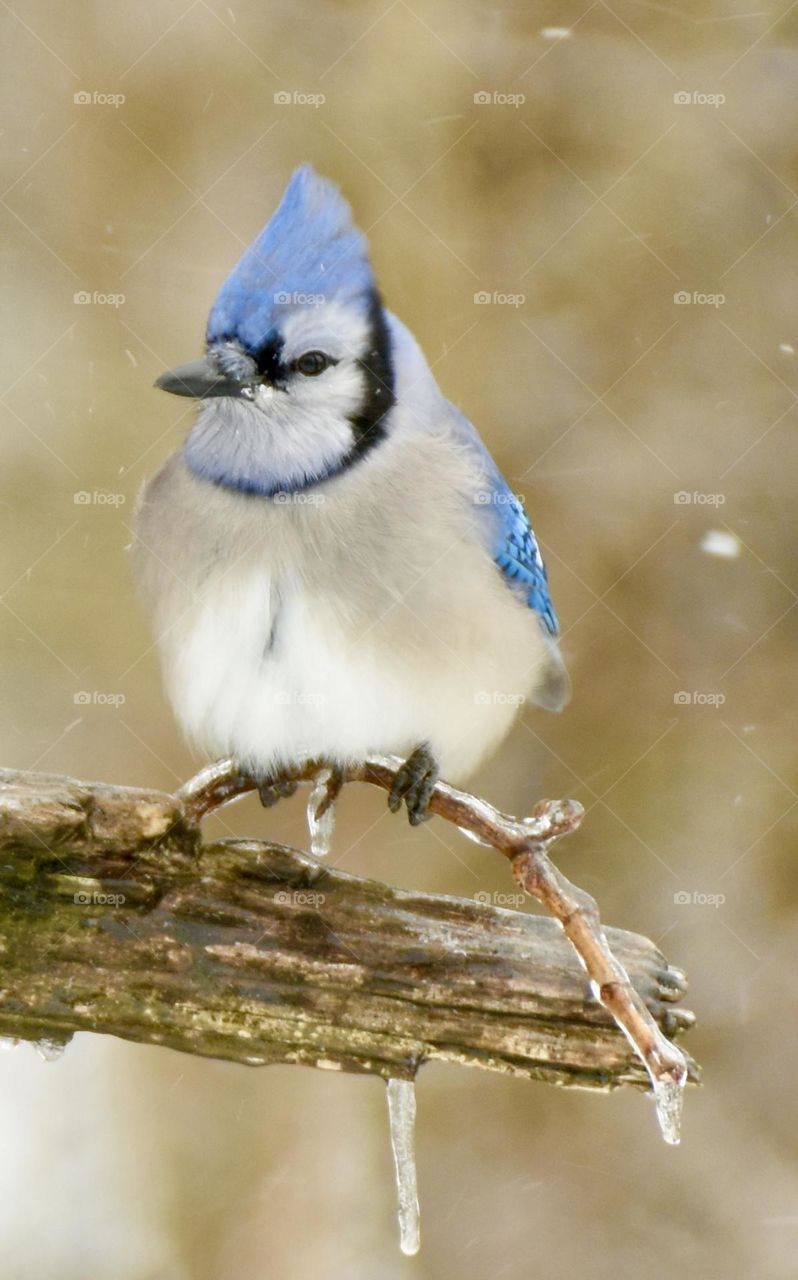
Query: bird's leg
[414, 783]
[271, 790]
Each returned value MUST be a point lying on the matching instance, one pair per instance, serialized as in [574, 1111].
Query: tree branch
[116, 918]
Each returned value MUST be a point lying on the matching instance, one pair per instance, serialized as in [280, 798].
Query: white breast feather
[369, 622]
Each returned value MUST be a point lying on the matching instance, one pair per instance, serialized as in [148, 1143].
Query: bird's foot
[329, 782]
[415, 783]
[272, 790]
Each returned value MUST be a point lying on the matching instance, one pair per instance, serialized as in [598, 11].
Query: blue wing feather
[514, 546]
[518, 556]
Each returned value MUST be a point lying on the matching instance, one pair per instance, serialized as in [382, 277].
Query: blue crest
[308, 250]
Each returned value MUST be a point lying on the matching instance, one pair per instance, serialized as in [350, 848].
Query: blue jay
[333, 562]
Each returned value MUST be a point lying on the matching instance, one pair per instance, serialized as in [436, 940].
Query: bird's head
[297, 379]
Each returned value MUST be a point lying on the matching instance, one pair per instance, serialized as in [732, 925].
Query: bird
[333, 563]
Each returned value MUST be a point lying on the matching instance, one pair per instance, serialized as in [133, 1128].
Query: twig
[525, 842]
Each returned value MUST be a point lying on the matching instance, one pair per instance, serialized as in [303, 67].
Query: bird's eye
[312, 363]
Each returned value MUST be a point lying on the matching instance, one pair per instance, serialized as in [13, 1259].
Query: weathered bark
[116, 918]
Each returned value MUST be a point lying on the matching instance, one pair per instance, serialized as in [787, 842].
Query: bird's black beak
[202, 379]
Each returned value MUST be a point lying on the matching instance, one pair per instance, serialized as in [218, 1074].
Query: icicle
[402, 1116]
[321, 829]
[668, 1093]
[669, 1096]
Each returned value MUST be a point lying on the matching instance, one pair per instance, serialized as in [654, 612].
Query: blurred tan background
[589, 186]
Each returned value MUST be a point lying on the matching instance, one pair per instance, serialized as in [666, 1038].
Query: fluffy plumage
[334, 563]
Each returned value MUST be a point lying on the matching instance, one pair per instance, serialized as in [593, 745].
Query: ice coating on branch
[50, 1050]
[472, 835]
[402, 1116]
[668, 1092]
[321, 829]
[669, 1097]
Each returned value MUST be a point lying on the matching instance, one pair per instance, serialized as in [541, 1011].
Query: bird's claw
[271, 792]
[414, 783]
